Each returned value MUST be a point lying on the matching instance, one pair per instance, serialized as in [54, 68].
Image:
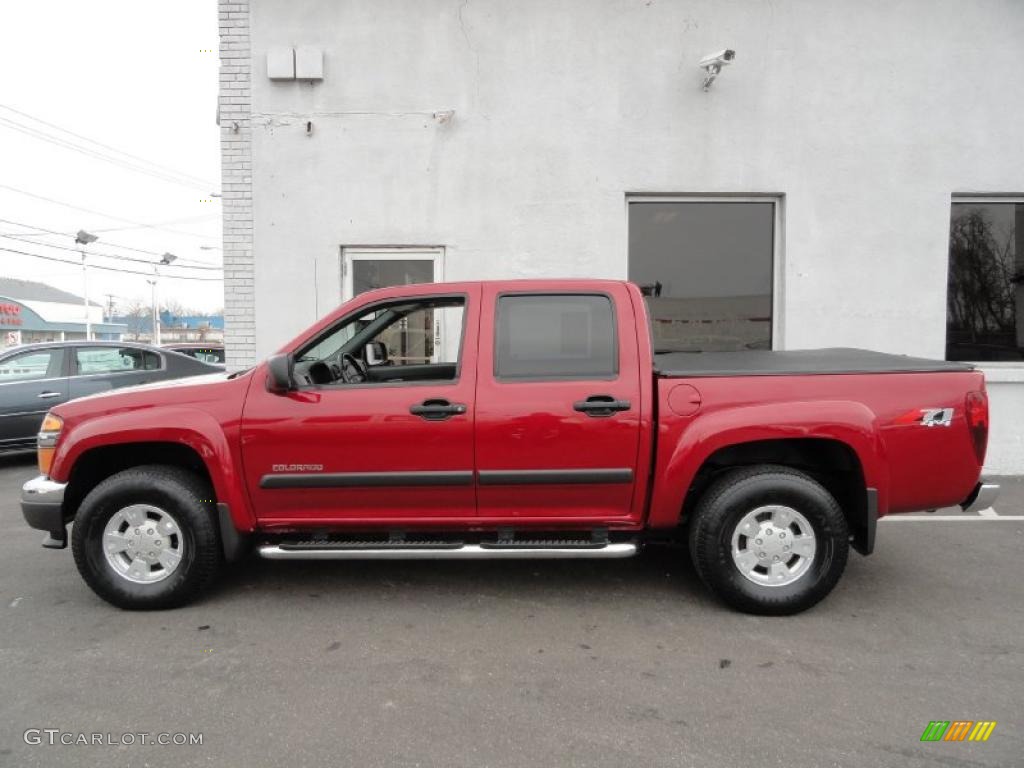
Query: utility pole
[153, 316]
[83, 238]
[166, 259]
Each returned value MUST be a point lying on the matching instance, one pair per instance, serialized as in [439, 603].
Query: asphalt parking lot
[615, 663]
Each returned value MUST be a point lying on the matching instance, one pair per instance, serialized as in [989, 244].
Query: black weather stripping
[366, 479]
[555, 476]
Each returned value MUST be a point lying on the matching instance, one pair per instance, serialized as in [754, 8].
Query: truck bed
[835, 360]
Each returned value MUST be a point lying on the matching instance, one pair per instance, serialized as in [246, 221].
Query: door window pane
[369, 274]
[390, 341]
[566, 337]
[706, 269]
[30, 365]
[985, 296]
[115, 360]
[419, 337]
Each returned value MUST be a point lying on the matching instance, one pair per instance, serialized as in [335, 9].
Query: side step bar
[446, 552]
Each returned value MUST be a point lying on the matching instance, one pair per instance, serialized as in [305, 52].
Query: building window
[707, 269]
[366, 269]
[985, 296]
[555, 337]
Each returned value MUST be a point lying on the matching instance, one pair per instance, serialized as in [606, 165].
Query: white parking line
[984, 515]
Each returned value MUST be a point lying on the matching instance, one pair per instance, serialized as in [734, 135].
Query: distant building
[32, 312]
[173, 328]
[199, 328]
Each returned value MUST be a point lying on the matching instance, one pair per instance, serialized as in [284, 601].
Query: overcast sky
[141, 78]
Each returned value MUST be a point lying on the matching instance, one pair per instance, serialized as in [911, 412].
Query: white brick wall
[236, 182]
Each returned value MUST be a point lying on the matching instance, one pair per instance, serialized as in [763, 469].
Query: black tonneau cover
[793, 362]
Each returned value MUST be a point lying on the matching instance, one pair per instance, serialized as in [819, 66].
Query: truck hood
[202, 379]
[207, 388]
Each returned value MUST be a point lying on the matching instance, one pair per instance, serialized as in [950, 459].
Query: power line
[10, 124]
[106, 255]
[105, 215]
[43, 232]
[170, 174]
[204, 217]
[110, 269]
[106, 146]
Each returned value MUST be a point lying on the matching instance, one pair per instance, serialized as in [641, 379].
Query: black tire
[738, 492]
[185, 496]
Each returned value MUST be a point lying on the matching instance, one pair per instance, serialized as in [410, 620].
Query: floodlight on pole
[83, 239]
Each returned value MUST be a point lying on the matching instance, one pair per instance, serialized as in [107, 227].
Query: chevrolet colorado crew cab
[516, 419]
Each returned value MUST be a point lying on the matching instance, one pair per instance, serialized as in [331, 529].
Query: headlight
[46, 442]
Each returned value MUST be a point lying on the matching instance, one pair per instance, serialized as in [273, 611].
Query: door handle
[599, 406]
[48, 395]
[437, 409]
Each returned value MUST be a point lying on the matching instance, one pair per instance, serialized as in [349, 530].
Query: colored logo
[958, 730]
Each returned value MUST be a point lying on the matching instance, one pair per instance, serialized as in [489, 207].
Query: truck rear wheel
[769, 540]
[146, 538]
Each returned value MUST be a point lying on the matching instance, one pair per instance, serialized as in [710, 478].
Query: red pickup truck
[518, 419]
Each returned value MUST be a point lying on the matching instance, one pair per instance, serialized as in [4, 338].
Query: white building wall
[864, 117]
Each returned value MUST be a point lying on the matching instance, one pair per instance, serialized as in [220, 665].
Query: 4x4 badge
[937, 417]
[929, 417]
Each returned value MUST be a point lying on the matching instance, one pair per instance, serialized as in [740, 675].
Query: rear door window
[564, 336]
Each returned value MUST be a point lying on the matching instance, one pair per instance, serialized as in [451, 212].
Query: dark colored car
[208, 353]
[36, 377]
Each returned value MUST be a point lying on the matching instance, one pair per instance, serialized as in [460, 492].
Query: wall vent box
[309, 63]
[281, 64]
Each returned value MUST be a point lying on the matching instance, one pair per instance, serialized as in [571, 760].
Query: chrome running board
[442, 552]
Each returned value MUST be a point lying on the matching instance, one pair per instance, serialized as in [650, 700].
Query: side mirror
[376, 353]
[279, 374]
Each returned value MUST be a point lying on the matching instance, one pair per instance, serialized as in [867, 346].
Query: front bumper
[42, 504]
[982, 497]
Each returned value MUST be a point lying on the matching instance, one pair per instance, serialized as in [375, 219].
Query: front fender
[191, 427]
[684, 444]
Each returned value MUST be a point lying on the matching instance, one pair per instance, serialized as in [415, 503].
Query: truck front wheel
[146, 538]
[769, 540]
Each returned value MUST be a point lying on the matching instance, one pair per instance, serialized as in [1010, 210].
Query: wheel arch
[836, 442]
[832, 463]
[95, 464]
[94, 449]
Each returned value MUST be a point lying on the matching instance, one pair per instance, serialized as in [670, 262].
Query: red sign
[10, 314]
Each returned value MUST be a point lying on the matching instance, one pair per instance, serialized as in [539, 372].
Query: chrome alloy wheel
[143, 543]
[773, 545]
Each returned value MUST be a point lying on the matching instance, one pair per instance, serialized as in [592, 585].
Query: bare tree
[980, 302]
[137, 313]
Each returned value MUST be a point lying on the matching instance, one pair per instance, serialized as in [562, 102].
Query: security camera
[712, 64]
